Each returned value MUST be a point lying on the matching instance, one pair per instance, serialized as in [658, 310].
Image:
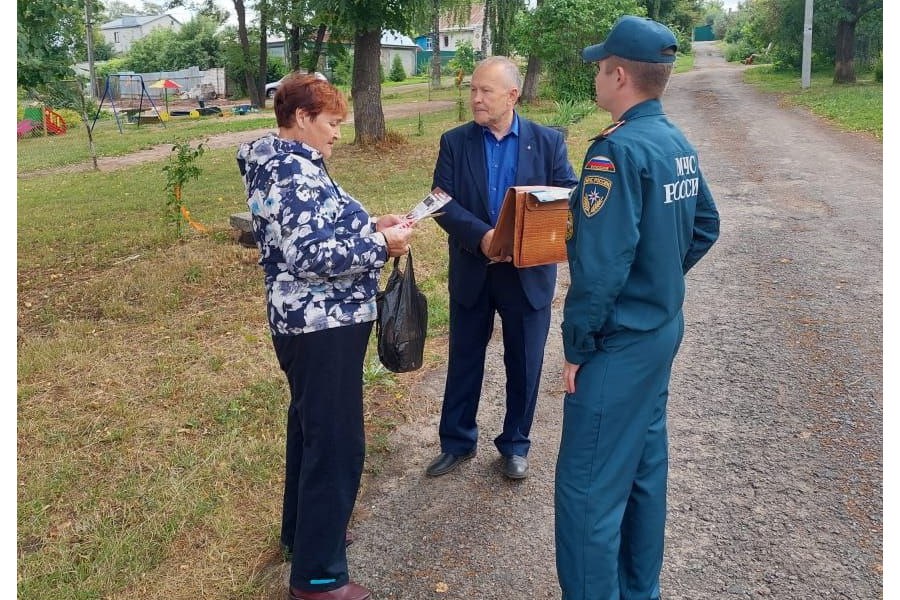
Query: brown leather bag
[532, 225]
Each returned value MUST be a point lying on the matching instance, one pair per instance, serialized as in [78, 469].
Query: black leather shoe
[446, 462]
[350, 591]
[515, 467]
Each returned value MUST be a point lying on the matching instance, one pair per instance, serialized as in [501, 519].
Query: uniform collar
[644, 109]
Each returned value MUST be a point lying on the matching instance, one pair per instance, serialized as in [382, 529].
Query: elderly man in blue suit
[477, 162]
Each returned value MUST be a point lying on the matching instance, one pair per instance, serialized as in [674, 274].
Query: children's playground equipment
[133, 85]
[40, 119]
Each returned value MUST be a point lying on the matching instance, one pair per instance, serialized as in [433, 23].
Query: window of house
[116, 37]
[446, 41]
[428, 43]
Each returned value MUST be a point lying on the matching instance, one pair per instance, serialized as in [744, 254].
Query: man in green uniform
[641, 217]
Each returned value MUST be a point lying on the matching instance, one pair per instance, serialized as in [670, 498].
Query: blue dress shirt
[501, 157]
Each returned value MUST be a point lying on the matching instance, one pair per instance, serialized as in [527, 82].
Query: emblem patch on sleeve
[595, 191]
[600, 163]
[570, 224]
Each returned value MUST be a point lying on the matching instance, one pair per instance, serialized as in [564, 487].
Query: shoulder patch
[600, 163]
[595, 191]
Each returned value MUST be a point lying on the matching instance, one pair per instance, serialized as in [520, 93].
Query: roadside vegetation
[857, 107]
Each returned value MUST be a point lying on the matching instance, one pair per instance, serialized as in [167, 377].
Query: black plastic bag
[402, 320]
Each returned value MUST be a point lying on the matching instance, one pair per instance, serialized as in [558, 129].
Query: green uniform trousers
[610, 496]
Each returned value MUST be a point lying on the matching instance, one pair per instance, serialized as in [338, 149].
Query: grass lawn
[856, 107]
[150, 406]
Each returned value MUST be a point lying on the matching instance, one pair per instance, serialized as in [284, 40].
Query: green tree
[203, 8]
[364, 21]
[426, 16]
[198, 44]
[557, 30]
[849, 14]
[502, 16]
[157, 51]
[343, 69]
[841, 29]
[49, 34]
[464, 58]
[398, 73]
[102, 49]
[237, 64]
[247, 59]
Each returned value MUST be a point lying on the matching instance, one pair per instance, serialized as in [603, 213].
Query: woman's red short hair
[310, 93]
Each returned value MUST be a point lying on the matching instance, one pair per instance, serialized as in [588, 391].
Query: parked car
[271, 88]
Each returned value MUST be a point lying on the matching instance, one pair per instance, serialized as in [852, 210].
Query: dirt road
[776, 400]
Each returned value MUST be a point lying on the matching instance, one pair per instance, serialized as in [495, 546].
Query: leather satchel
[532, 225]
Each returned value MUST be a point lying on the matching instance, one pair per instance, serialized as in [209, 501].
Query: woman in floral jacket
[322, 256]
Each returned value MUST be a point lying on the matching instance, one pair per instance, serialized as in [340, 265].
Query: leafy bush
[398, 73]
[343, 70]
[879, 69]
[683, 39]
[181, 168]
[570, 111]
[463, 59]
[557, 30]
[72, 117]
[276, 69]
[737, 52]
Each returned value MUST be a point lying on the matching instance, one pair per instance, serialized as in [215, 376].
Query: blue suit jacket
[460, 171]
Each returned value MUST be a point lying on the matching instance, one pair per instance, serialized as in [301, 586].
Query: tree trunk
[312, 63]
[436, 45]
[532, 76]
[368, 116]
[845, 45]
[245, 51]
[486, 29]
[262, 7]
[295, 47]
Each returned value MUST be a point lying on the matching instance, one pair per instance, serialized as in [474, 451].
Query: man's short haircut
[510, 69]
[649, 78]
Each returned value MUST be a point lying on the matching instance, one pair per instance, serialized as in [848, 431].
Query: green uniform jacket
[641, 216]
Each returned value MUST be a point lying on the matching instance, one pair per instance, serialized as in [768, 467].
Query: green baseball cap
[635, 38]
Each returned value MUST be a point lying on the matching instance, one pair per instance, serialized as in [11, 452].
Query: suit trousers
[325, 450]
[612, 469]
[524, 337]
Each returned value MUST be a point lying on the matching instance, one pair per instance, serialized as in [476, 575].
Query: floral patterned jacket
[318, 247]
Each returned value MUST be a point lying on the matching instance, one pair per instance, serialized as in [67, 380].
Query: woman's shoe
[350, 591]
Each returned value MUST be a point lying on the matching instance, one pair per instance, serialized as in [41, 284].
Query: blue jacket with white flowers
[318, 247]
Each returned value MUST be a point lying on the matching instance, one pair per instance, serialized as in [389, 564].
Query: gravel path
[776, 399]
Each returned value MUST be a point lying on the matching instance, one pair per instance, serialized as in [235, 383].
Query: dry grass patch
[150, 439]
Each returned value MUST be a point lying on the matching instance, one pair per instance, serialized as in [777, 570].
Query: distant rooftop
[126, 21]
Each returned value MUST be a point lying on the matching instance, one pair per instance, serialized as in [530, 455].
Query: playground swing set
[148, 112]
